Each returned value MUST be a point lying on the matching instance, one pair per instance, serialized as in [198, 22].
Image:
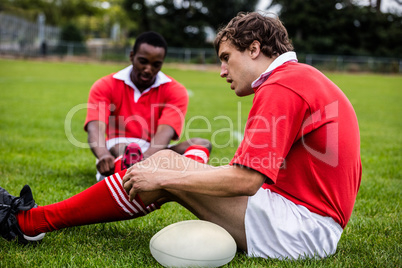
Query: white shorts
[278, 228]
[112, 142]
[142, 143]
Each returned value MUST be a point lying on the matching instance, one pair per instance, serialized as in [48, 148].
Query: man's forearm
[223, 181]
[96, 139]
[170, 175]
[99, 151]
[160, 140]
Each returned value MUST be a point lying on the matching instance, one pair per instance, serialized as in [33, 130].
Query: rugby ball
[193, 243]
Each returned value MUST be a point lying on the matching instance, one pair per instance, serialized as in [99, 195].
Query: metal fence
[194, 56]
[354, 63]
[22, 38]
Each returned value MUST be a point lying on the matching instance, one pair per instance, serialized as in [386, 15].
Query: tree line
[342, 27]
[315, 26]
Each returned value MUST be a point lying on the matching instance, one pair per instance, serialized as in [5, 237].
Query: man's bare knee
[168, 159]
[162, 159]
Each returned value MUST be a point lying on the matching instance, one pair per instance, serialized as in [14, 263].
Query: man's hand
[105, 165]
[171, 172]
[97, 143]
[141, 178]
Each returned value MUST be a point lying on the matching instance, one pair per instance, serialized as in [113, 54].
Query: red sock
[198, 153]
[105, 201]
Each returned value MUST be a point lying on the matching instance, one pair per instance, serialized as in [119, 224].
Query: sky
[387, 5]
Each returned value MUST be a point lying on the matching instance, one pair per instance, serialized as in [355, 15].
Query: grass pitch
[42, 144]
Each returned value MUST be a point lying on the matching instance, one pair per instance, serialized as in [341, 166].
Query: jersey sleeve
[273, 125]
[99, 102]
[175, 107]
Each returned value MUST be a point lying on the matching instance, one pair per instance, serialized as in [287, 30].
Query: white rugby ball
[193, 243]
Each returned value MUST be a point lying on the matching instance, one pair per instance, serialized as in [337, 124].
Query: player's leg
[228, 212]
[118, 149]
[197, 149]
[180, 148]
[127, 154]
[267, 213]
[105, 201]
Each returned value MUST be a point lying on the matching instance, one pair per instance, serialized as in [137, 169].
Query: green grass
[37, 97]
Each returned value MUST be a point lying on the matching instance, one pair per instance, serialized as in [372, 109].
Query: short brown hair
[245, 28]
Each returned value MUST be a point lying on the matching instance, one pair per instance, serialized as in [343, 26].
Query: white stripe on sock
[122, 198]
[199, 153]
[125, 197]
[116, 197]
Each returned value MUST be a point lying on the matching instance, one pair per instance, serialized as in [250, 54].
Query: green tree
[71, 33]
[57, 12]
[183, 22]
[91, 17]
[221, 12]
[139, 12]
[340, 27]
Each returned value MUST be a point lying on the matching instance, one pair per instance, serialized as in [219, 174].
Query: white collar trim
[124, 75]
[285, 57]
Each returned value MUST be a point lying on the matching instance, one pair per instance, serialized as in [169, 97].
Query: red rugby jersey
[112, 101]
[302, 134]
